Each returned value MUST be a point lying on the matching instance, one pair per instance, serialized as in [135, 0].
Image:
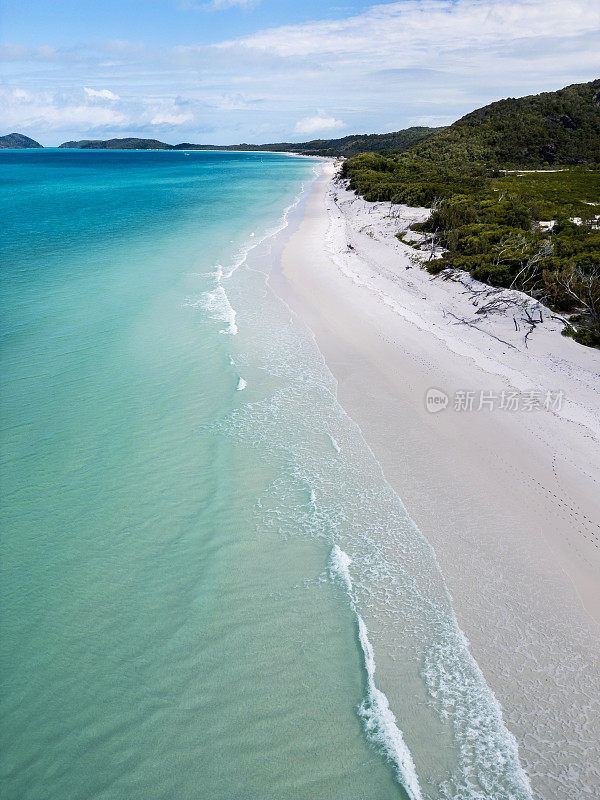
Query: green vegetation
[347, 146]
[551, 128]
[118, 144]
[553, 194]
[403, 179]
[17, 140]
[490, 221]
[395, 142]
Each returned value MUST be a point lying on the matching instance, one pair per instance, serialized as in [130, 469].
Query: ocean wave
[379, 720]
[457, 688]
[396, 581]
[397, 585]
[334, 444]
[243, 253]
[216, 303]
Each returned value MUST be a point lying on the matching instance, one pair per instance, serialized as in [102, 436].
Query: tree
[583, 288]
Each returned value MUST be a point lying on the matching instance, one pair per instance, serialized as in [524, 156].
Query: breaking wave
[396, 585]
[379, 720]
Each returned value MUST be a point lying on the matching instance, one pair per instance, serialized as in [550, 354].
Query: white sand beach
[503, 480]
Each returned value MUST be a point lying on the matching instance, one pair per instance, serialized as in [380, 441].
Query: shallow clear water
[208, 589]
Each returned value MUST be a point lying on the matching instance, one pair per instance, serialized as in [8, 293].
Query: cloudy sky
[229, 71]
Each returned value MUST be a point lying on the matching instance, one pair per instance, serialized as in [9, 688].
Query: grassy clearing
[572, 192]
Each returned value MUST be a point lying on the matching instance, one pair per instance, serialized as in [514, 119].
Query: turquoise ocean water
[208, 589]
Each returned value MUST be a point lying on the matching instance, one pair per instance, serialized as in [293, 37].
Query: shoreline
[501, 496]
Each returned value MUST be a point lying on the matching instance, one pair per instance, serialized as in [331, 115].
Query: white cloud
[217, 5]
[16, 52]
[230, 3]
[65, 117]
[56, 111]
[21, 96]
[396, 33]
[170, 118]
[40, 111]
[102, 94]
[232, 102]
[83, 117]
[385, 68]
[318, 124]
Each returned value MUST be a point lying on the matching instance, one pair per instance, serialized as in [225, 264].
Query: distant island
[397, 142]
[17, 140]
[346, 146]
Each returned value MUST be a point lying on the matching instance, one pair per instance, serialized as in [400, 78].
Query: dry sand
[509, 499]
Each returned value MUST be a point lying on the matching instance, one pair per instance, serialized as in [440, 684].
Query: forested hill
[500, 210]
[17, 140]
[560, 127]
[118, 144]
[398, 141]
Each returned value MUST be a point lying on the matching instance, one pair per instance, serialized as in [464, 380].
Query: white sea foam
[282, 223]
[378, 717]
[241, 384]
[339, 567]
[396, 577]
[458, 690]
[334, 443]
[218, 306]
[216, 302]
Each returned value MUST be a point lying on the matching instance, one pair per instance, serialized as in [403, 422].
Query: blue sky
[158, 22]
[227, 71]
